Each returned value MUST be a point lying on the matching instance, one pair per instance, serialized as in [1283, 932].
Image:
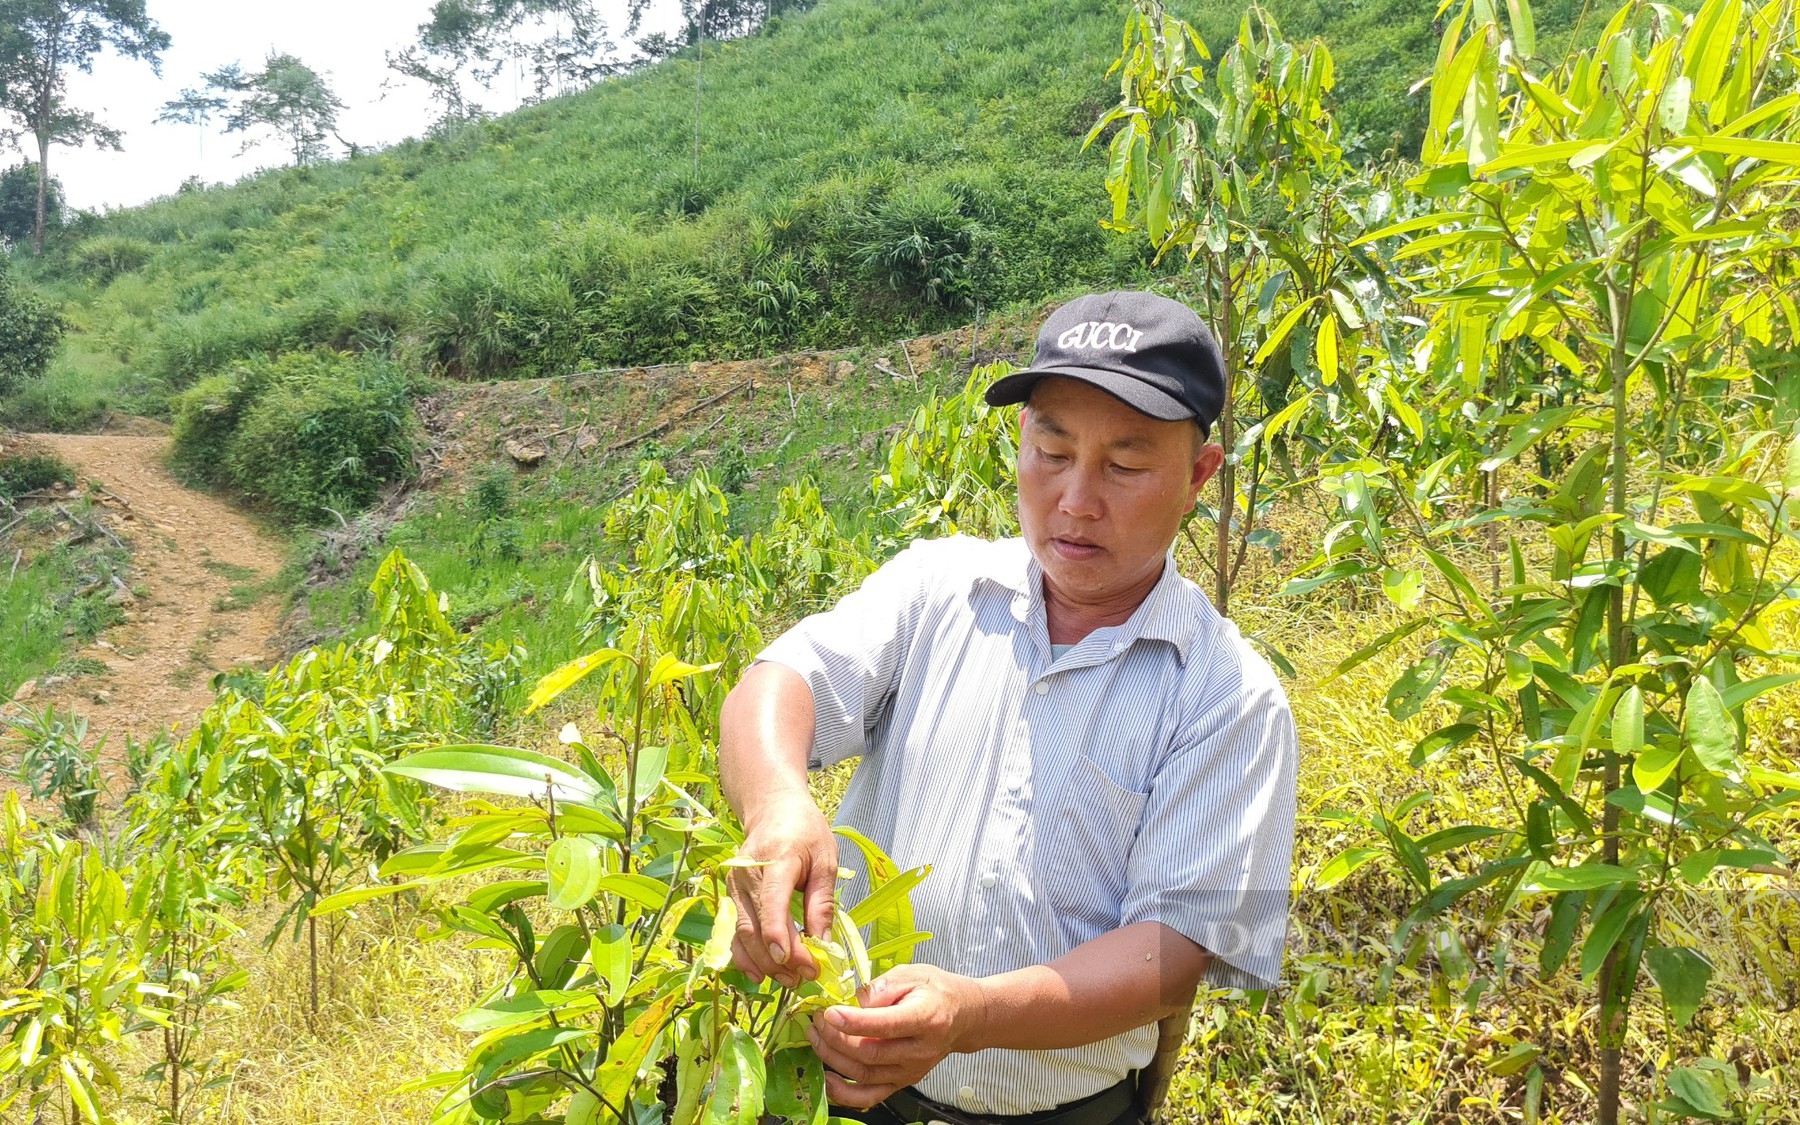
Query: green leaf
[1559, 935]
[1340, 866]
[1409, 693]
[1377, 646]
[882, 902]
[1703, 1090]
[1435, 744]
[609, 954]
[569, 675]
[1783, 153]
[1524, 29]
[1739, 694]
[1420, 222]
[1403, 587]
[1528, 431]
[1606, 931]
[1481, 110]
[796, 1084]
[505, 770]
[331, 904]
[737, 1097]
[1710, 729]
[641, 889]
[1682, 975]
[1790, 476]
[1654, 764]
[1628, 723]
[1459, 580]
[574, 868]
[1280, 335]
[1583, 877]
[1515, 1060]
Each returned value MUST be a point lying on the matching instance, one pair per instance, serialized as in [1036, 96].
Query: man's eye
[1129, 470]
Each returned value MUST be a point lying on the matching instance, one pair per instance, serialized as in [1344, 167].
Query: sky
[345, 40]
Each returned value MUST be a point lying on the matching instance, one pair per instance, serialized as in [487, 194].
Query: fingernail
[778, 953]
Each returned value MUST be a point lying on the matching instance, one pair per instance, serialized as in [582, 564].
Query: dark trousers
[884, 1114]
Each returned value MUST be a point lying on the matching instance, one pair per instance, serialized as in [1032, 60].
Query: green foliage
[305, 435]
[57, 763]
[951, 470]
[71, 944]
[30, 330]
[30, 472]
[105, 258]
[1593, 249]
[18, 203]
[286, 97]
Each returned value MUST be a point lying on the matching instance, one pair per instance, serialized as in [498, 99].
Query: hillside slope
[866, 170]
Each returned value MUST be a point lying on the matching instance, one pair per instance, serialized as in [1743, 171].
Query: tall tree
[561, 41]
[41, 41]
[286, 97]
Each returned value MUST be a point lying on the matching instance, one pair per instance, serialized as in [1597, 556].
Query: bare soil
[203, 600]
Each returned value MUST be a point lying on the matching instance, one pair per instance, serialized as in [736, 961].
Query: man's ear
[1210, 459]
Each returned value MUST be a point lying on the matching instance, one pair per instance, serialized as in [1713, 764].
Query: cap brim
[1135, 393]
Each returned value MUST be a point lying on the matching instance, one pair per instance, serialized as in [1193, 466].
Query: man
[1096, 765]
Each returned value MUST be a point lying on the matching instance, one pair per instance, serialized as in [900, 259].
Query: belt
[1103, 1108]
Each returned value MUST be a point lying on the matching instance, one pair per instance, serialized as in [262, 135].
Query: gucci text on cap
[1150, 352]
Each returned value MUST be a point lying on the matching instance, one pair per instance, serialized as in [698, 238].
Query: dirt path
[200, 571]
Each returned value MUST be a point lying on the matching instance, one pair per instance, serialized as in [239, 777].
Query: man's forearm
[765, 734]
[1118, 981]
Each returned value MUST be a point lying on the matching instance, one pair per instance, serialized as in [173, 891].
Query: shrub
[30, 331]
[102, 259]
[18, 203]
[19, 475]
[919, 244]
[306, 434]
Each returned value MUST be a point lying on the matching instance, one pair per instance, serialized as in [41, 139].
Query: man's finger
[749, 940]
[821, 893]
[858, 1068]
[774, 920]
[898, 1022]
[855, 1095]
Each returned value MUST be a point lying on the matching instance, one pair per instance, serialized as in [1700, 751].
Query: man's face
[1103, 488]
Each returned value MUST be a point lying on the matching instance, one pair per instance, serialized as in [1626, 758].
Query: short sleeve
[1214, 852]
[851, 655]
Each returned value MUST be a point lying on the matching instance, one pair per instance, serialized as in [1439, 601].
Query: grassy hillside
[866, 170]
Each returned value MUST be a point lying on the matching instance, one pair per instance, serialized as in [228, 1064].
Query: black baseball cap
[1146, 350]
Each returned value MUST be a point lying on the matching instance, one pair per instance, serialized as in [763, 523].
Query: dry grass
[384, 1021]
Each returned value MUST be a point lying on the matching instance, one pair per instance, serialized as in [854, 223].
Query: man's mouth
[1075, 550]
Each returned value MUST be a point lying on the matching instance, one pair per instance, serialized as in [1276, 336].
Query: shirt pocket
[1092, 838]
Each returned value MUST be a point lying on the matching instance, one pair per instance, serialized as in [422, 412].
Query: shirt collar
[1166, 614]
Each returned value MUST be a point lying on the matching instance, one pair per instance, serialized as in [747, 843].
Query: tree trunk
[1614, 1020]
[1227, 437]
[37, 238]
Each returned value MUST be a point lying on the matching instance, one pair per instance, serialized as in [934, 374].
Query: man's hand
[912, 1016]
[797, 850]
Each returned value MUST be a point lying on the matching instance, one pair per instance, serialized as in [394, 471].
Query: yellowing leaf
[717, 954]
[569, 675]
[1327, 350]
[669, 668]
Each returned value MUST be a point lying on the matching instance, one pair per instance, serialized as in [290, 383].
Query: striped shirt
[1146, 774]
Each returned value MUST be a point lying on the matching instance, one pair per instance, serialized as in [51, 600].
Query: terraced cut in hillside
[197, 605]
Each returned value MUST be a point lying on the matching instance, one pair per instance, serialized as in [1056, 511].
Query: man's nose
[1081, 496]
